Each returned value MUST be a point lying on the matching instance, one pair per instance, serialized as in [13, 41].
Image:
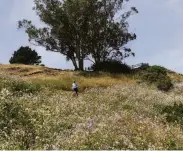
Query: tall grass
[112, 118]
[113, 112]
[65, 81]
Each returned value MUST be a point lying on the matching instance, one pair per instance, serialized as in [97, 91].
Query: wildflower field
[38, 111]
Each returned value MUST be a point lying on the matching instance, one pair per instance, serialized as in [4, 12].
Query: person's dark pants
[75, 90]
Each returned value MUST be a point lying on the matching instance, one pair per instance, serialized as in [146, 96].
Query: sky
[158, 25]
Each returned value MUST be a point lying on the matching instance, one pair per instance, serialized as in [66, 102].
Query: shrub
[158, 76]
[111, 66]
[43, 65]
[164, 84]
[157, 69]
[154, 73]
[173, 113]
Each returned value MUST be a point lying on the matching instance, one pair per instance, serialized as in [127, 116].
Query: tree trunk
[74, 63]
[80, 57]
[81, 64]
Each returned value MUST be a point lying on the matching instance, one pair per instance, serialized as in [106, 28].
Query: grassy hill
[38, 111]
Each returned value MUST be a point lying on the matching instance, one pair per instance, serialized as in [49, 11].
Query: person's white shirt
[74, 85]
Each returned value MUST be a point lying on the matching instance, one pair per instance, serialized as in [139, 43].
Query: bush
[164, 84]
[172, 113]
[43, 65]
[154, 73]
[158, 75]
[157, 69]
[111, 66]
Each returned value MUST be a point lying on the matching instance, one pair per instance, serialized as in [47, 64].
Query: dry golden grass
[26, 70]
[62, 80]
[176, 77]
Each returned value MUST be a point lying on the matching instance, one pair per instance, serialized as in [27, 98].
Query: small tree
[25, 55]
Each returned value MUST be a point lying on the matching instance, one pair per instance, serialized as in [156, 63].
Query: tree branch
[89, 60]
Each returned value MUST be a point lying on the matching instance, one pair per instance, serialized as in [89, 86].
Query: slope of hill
[113, 112]
[62, 79]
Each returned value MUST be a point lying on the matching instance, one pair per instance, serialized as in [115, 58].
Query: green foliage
[25, 55]
[21, 86]
[81, 28]
[154, 73]
[42, 65]
[112, 66]
[15, 125]
[173, 113]
[164, 84]
[172, 145]
[157, 69]
[158, 75]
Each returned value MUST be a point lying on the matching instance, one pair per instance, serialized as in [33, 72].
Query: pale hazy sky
[159, 27]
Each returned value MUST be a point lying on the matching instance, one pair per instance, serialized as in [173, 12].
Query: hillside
[38, 111]
[62, 79]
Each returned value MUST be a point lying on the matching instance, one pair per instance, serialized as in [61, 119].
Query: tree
[25, 55]
[81, 28]
[109, 35]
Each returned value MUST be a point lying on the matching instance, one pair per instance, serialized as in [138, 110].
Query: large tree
[81, 28]
[25, 55]
[109, 35]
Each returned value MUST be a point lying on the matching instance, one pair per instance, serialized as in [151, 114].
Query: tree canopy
[82, 29]
[25, 55]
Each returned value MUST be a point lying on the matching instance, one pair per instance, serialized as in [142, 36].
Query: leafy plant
[112, 66]
[80, 29]
[154, 73]
[25, 55]
[164, 84]
[158, 75]
[173, 113]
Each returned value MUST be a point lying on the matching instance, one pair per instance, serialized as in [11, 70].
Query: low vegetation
[159, 76]
[112, 112]
[111, 66]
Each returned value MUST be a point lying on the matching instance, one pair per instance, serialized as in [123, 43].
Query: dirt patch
[14, 69]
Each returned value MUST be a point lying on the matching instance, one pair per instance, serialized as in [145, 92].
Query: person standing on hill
[75, 88]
